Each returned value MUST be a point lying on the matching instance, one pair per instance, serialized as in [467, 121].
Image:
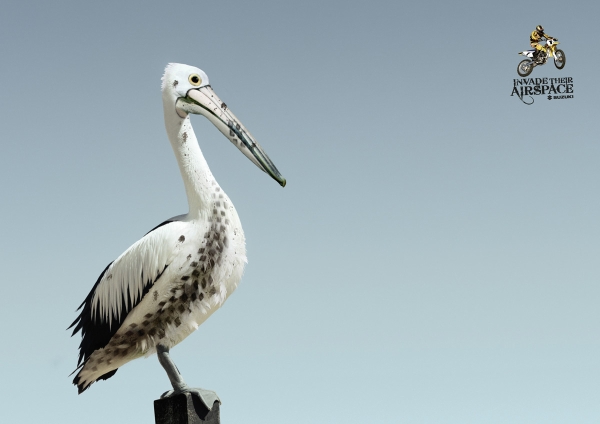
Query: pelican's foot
[208, 397]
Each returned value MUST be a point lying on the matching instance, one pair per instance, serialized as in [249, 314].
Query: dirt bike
[549, 50]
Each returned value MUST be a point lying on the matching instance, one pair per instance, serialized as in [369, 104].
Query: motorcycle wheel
[525, 67]
[559, 59]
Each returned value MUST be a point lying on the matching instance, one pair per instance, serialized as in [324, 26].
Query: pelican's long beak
[205, 102]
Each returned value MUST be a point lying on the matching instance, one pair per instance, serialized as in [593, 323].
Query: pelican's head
[187, 89]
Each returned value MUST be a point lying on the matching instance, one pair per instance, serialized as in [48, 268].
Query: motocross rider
[535, 38]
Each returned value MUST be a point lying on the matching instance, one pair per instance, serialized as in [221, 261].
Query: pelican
[171, 280]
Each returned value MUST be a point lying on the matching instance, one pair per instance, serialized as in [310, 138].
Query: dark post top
[185, 409]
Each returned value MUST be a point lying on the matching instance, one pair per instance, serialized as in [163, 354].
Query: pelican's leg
[172, 372]
[207, 396]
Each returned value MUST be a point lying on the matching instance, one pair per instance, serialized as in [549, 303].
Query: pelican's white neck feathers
[196, 175]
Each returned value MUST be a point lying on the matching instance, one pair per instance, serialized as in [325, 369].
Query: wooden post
[185, 409]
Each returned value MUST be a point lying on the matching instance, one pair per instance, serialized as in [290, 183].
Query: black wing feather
[160, 225]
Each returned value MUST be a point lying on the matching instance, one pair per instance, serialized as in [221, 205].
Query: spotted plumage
[186, 295]
[169, 282]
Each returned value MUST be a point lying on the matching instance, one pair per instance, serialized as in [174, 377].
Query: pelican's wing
[123, 284]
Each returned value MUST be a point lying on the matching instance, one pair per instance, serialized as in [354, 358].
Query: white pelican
[169, 282]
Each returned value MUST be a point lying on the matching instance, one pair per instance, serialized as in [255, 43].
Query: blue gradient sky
[433, 259]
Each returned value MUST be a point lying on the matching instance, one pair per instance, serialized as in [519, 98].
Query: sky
[432, 259]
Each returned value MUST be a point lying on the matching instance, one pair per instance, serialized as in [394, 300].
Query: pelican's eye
[195, 79]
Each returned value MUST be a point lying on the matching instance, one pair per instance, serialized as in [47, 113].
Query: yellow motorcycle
[526, 66]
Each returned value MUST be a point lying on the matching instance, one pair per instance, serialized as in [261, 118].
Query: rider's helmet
[540, 29]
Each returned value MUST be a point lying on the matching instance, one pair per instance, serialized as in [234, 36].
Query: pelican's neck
[197, 178]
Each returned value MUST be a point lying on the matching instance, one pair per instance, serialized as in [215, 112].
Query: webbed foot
[208, 397]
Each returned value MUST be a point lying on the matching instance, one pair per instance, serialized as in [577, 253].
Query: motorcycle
[549, 50]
